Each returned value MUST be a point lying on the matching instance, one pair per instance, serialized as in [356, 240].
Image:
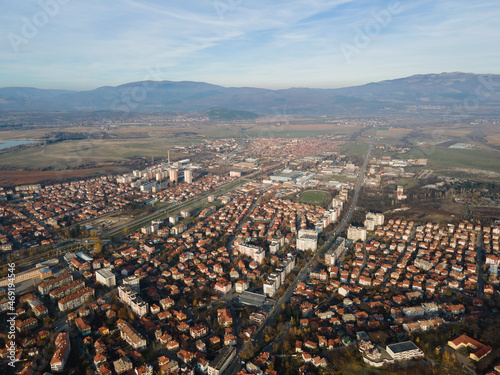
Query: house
[198, 330]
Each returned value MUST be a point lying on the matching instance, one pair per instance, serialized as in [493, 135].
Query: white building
[129, 334]
[400, 195]
[272, 284]
[105, 277]
[356, 233]
[337, 202]
[133, 299]
[173, 175]
[307, 239]
[257, 253]
[335, 252]
[241, 286]
[188, 176]
[274, 247]
[404, 351]
[133, 282]
[277, 278]
[373, 220]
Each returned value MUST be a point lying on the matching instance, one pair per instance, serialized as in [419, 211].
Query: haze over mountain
[475, 93]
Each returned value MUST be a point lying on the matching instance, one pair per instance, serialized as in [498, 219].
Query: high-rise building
[188, 176]
[356, 233]
[307, 239]
[400, 195]
[173, 175]
[373, 220]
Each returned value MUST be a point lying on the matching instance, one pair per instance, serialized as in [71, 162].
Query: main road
[277, 309]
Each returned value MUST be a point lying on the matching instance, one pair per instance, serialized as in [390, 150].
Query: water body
[13, 143]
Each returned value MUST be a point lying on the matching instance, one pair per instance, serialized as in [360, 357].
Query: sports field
[316, 197]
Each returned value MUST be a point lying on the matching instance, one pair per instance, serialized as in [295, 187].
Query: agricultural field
[118, 146]
[18, 177]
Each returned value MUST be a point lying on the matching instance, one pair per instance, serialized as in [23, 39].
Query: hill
[456, 92]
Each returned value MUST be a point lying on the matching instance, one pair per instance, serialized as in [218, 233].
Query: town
[243, 258]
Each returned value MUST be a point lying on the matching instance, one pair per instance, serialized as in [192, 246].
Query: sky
[82, 45]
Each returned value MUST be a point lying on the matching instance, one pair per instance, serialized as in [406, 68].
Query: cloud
[272, 44]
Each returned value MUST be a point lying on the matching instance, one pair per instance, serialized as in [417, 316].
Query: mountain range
[456, 92]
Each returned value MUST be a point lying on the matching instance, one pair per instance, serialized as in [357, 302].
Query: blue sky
[75, 44]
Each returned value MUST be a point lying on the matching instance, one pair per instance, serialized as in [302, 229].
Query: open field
[298, 129]
[73, 153]
[493, 140]
[408, 183]
[118, 144]
[436, 211]
[446, 159]
[31, 177]
[392, 133]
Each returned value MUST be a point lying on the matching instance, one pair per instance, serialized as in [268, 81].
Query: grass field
[493, 140]
[408, 183]
[445, 159]
[316, 197]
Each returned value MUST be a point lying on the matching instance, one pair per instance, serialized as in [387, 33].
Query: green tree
[98, 246]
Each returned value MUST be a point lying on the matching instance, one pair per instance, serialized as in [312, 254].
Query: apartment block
[76, 299]
[133, 299]
[63, 348]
